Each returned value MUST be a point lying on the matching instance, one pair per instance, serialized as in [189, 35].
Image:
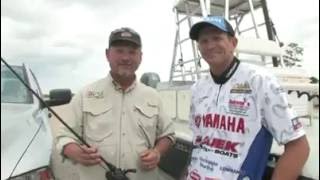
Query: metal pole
[203, 8]
[226, 10]
[208, 4]
[270, 33]
[175, 47]
[193, 44]
[253, 19]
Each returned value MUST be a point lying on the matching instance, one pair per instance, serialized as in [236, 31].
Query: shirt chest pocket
[146, 115]
[99, 121]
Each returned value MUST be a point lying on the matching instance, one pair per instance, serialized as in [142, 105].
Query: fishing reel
[119, 174]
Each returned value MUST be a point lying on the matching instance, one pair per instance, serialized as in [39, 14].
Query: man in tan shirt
[121, 118]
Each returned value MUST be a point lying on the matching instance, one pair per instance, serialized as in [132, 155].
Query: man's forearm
[292, 160]
[163, 145]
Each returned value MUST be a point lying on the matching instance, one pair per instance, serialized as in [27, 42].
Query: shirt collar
[118, 87]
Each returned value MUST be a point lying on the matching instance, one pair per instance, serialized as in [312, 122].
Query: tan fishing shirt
[122, 124]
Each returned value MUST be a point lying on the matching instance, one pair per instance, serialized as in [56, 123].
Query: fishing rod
[114, 173]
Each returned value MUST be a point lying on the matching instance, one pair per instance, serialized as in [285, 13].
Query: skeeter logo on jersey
[221, 146]
[223, 122]
[239, 107]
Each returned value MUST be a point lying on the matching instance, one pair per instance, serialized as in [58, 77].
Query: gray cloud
[64, 41]
[25, 10]
[91, 3]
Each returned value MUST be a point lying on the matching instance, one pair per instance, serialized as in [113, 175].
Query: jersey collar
[227, 74]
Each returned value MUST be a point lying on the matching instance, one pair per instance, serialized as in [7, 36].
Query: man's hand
[150, 159]
[82, 154]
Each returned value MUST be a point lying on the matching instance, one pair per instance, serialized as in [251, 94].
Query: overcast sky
[63, 41]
